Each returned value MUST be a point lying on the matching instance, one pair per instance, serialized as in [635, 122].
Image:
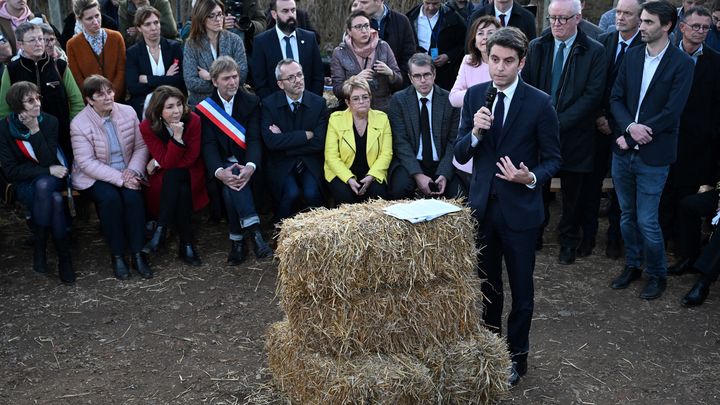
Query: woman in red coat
[177, 174]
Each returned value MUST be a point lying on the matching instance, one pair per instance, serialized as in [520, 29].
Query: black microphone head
[490, 95]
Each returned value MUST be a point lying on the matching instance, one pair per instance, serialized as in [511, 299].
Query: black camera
[235, 8]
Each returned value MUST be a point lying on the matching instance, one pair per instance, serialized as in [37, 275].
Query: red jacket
[171, 155]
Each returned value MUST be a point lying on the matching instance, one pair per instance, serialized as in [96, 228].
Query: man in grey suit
[424, 127]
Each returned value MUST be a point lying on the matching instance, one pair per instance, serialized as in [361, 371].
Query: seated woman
[109, 167]
[153, 61]
[30, 158]
[364, 54]
[177, 174]
[358, 147]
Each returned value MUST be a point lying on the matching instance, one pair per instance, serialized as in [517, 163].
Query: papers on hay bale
[382, 311]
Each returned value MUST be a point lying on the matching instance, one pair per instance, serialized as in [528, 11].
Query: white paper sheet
[421, 210]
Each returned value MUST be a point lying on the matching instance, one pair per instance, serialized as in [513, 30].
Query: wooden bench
[607, 185]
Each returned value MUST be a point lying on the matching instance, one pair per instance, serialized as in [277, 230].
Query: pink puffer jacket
[91, 146]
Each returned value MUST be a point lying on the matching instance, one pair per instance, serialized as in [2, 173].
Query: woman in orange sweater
[96, 50]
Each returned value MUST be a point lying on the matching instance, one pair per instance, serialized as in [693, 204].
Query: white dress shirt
[425, 26]
[293, 43]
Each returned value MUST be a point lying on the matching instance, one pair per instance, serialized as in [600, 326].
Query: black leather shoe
[628, 275]
[238, 253]
[585, 249]
[157, 241]
[40, 250]
[262, 250]
[654, 288]
[141, 265]
[684, 265]
[518, 370]
[696, 296]
[188, 254]
[567, 255]
[613, 249]
[120, 268]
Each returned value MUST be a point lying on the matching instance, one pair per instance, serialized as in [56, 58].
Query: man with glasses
[61, 96]
[686, 5]
[510, 14]
[286, 41]
[570, 66]
[293, 126]
[699, 131]
[650, 92]
[424, 127]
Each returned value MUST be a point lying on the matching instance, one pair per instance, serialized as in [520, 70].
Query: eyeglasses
[360, 99]
[560, 19]
[361, 27]
[699, 27]
[38, 40]
[104, 93]
[715, 19]
[421, 76]
[294, 78]
[33, 100]
[215, 16]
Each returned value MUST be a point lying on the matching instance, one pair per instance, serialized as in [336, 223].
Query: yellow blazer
[340, 146]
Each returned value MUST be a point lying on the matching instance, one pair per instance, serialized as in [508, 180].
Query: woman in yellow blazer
[358, 147]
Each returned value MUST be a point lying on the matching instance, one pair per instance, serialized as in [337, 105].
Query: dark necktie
[427, 155]
[557, 71]
[288, 49]
[621, 54]
[502, 19]
[498, 115]
[295, 106]
[299, 166]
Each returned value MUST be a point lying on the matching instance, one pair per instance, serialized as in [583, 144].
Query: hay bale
[387, 321]
[312, 378]
[357, 249]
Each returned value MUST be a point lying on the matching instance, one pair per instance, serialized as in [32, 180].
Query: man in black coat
[571, 68]
[438, 29]
[510, 13]
[293, 127]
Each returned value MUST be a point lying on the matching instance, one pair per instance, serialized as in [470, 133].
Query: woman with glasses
[31, 159]
[208, 40]
[52, 47]
[96, 50]
[110, 158]
[364, 54]
[358, 147]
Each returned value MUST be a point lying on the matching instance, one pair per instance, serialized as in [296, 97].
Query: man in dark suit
[697, 144]
[515, 149]
[570, 67]
[510, 13]
[650, 92]
[286, 41]
[294, 122]
[616, 43]
[231, 147]
[423, 146]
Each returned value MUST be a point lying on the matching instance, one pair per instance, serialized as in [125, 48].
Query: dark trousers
[176, 202]
[690, 213]
[709, 261]
[518, 250]
[402, 184]
[298, 185]
[593, 194]
[122, 216]
[343, 194]
[43, 198]
[670, 219]
[575, 190]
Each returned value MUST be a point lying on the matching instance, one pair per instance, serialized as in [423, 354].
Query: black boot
[120, 268]
[188, 254]
[157, 241]
[65, 267]
[40, 250]
[261, 249]
[141, 265]
[238, 252]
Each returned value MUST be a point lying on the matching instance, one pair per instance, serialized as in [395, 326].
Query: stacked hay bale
[382, 311]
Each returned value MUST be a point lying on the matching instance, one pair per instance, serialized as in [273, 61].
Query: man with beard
[286, 41]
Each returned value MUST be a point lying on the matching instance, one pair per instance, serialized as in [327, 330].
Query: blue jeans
[639, 187]
[298, 185]
[240, 208]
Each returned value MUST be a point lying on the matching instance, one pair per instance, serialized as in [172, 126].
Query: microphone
[489, 100]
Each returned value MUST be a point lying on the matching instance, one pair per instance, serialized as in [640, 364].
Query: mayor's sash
[227, 124]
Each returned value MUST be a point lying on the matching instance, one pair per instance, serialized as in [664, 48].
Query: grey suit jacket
[404, 118]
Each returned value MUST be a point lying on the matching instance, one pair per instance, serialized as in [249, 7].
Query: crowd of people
[153, 121]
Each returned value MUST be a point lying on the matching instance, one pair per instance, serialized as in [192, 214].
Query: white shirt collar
[281, 34]
[290, 101]
[226, 103]
[629, 41]
[507, 13]
[659, 55]
[510, 90]
[429, 96]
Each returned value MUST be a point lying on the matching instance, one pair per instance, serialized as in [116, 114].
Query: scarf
[18, 130]
[15, 21]
[365, 55]
[97, 42]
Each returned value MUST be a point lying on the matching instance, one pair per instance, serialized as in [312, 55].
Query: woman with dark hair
[362, 53]
[31, 158]
[177, 174]
[153, 61]
[109, 167]
[208, 40]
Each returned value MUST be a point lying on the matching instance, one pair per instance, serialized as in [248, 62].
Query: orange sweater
[111, 62]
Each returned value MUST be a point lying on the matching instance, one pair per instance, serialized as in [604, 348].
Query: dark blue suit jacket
[138, 63]
[286, 148]
[267, 53]
[662, 106]
[530, 134]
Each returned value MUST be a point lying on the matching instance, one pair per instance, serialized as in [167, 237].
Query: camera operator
[245, 19]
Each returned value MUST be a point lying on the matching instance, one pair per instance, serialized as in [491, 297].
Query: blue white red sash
[227, 124]
[27, 150]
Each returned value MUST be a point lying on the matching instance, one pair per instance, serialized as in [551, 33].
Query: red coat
[171, 155]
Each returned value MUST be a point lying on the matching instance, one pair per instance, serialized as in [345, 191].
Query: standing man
[510, 13]
[437, 29]
[617, 42]
[686, 5]
[649, 95]
[515, 150]
[424, 127]
[462, 7]
[231, 147]
[294, 123]
[286, 41]
[570, 67]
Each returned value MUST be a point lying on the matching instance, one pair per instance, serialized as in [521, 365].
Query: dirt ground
[195, 335]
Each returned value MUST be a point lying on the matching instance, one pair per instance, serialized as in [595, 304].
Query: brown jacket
[111, 62]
